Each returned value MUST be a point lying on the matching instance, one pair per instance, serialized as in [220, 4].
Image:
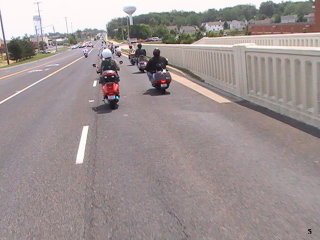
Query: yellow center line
[28, 69]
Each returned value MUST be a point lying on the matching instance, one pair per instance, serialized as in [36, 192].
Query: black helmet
[156, 52]
[139, 45]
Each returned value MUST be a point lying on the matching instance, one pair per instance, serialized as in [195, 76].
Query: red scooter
[110, 88]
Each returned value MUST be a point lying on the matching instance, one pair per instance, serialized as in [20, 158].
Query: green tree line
[153, 24]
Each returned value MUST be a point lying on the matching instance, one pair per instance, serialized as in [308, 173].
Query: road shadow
[155, 92]
[290, 121]
[102, 109]
[139, 72]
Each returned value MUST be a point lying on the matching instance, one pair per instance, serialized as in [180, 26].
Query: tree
[277, 18]
[169, 39]
[210, 15]
[27, 48]
[42, 45]
[198, 35]
[185, 38]
[152, 22]
[72, 39]
[193, 20]
[267, 8]
[298, 8]
[226, 25]
[160, 31]
[14, 48]
[140, 31]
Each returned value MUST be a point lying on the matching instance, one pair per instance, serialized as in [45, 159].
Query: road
[189, 164]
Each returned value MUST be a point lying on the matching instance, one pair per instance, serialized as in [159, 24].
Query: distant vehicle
[45, 51]
[132, 40]
[90, 45]
[74, 46]
[152, 39]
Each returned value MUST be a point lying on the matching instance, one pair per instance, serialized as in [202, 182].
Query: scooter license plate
[164, 85]
[111, 97]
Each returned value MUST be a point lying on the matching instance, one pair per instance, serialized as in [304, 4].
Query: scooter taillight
[163, 81]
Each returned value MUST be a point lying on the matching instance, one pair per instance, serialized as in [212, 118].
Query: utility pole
[67, 25]
[4, 39]
[40, 21]
[128, 30]
[56, 38]
[37, 37]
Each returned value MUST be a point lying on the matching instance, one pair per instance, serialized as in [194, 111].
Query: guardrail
[300, 40]
[283, 79]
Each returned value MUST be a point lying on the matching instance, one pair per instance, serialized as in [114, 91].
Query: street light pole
[4, 39]
[56, 38]
[128, 29]
[67, 25]
[40, 21]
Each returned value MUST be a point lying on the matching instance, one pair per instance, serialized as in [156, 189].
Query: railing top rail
[191, 46]
[310, 51]
[293, 35]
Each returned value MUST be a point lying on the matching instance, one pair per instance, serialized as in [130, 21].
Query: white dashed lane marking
[82, 145]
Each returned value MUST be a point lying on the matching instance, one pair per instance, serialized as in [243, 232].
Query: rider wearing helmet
[156, 63]
[108, 63]
[131, 50]
[140, 51]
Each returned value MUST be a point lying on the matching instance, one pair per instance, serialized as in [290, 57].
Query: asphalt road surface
[189, 164]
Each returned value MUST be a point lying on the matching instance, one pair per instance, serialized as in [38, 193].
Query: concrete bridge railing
[299, 40]
[283, 79]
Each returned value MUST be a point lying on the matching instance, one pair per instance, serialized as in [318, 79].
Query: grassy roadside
[38, 56]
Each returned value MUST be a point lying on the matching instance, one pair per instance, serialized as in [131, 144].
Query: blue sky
[17, 15]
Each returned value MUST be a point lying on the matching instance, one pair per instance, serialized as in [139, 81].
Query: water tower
[130, 10]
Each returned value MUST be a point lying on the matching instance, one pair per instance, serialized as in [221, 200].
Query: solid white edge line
[95, 83]
[82, 145]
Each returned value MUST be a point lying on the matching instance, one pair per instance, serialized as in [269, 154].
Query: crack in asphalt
[187, 236]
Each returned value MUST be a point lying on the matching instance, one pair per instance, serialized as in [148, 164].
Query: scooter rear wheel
[113, 105]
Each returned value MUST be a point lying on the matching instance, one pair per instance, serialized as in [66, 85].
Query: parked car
[132, 40]
[89, 44]
[152, 39]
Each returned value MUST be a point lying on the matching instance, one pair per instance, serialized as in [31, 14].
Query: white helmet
[106, 53]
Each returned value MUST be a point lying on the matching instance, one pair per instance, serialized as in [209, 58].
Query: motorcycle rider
[108, 63]
[132, 54]
[156, 63]
[140, 51]
[131, 51]
[117, 50]
[85, 52]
